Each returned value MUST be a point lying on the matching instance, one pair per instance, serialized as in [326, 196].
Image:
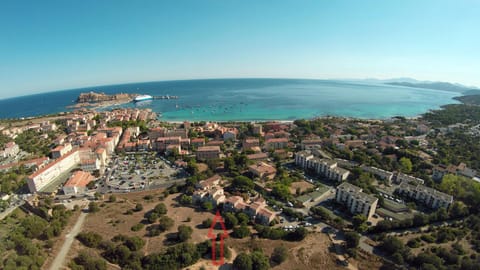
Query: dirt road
[60, 259]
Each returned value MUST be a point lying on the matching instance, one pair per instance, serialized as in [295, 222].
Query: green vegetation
[25, 238]
[184, 233]
[90, 239]
[253, 261]
[241, 231]
[87, 261]
[452, 114]
[279, 255]
[469, 100]
[31, 142]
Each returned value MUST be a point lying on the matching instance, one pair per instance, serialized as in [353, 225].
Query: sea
[250, 100]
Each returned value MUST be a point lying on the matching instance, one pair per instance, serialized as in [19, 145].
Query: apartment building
[355, 200]
[382, 174]
[322, 166]
[263, 170]
[276, 143]
[208, 152]
[426, 195]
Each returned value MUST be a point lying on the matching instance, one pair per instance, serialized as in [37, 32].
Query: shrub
[137, 227]
[279, 254]
[90, 239]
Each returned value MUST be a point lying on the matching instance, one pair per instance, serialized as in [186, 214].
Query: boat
[142, 98]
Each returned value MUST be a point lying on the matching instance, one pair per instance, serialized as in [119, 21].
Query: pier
[165, 97]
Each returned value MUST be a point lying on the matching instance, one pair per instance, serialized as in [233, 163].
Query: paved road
[60, 259]
[9, 210]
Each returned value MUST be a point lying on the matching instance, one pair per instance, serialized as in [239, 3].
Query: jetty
[165, 97]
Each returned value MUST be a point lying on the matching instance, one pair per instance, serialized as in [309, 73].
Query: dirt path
[60, 259]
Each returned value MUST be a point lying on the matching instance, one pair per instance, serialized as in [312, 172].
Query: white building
[322, 166]
[428, 196]
[355, 200]
[41, 178]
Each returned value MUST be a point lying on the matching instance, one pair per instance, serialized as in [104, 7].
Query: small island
[95, 100]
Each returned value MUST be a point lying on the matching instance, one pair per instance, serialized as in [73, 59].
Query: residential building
[249, 143]
[61, 150]
[382, 174]
[44, 176]
[263, 170]
[208, 152]
[11, 149]
[426, 195]
[355, 200]
[276, 143]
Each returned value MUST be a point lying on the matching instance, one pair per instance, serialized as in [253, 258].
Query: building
[311, 144]
[382, 174]
[426, 195]
[208, 152]
[198, 142]
[322, 166]
[257, 129]
[77, 184]
[355, 200]
[11, 149]
[401, 177]
[44, 176]
[209, 190]
[258, 156]
[250, 143]
[276, 143]
[263, 170]
[230, 134]
[256, 210]
[61, 150]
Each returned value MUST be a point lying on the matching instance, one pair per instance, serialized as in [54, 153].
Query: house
[11, 149]
[249, 143]
[263, 170]
[230, 134]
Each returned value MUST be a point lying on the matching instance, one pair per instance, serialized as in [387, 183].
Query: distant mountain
[445, 86]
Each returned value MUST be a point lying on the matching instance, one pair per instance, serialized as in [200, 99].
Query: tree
[241, 231]
[281, 191]
[242, 218]
[112, 198]
[352, 239]
[138, 207]
[243, 261]
[160, 209]
[230, 221]
[165, 223]
[259, 261]
[88, 261]
[391, 244]
[33, 226]
[134, 243]
[242, 183]
[406, 165]
[207, 223]
[184, 233]
[359, 223]
[186, 200]
[93, 207]
[207, 205]
[279, 254]
[90, 239]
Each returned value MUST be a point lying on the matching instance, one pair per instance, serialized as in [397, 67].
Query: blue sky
[52, 45]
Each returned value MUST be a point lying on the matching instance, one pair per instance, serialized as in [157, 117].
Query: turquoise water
[253, 99]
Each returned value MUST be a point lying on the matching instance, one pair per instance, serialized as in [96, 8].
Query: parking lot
[142, 171]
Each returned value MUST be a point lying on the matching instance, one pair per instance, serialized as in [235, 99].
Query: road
[60, 259]
[9, 210]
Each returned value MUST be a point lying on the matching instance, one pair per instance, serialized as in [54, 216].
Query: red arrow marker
[218, 219]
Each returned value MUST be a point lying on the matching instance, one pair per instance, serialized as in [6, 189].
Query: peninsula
[95, 100]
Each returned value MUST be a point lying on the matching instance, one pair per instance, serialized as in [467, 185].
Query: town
[379, 193]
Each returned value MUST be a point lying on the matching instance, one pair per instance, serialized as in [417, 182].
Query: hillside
[445, 86]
